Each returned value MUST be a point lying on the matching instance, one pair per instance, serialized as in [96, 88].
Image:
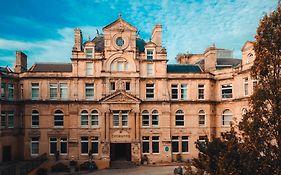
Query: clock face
[119, 41]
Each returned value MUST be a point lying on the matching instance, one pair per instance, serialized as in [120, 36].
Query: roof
[51, 67]
[183, 68]
[140, 44]
[122, 21]
[5, 69]
[228, 62]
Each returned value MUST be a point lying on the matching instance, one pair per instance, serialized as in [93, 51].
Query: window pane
[175, 146]
[53, 91]
[89, 90]
[63, 146]
[35, 91]
[34, 119]
[149, 54]
[226, 91]
[124, 118]
[201, 91]
[149, 91]
[115, 118]
[89, 53]
[11, 120]
[183, 91]
[145, 118]
[84, 145]
[174, 91]
[145, 147]
[10, 91]
[53, 145]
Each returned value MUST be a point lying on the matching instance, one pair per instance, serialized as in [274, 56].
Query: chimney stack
[21, 62]
[77, 40]
[157, 35]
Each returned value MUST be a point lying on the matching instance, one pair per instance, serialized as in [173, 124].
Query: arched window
[244, 111]
[179, 118]
[58, 118]
[119, 64]
[94, 118]
[155, 118]
[145, 118]
[226, 117]
[84, 118]
[202, 118]
[35, 119]
[249, 57]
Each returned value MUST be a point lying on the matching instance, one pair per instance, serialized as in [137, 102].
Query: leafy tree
[257, 149]
[261, 126]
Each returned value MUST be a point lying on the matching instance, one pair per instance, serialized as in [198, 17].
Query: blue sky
[43, 29]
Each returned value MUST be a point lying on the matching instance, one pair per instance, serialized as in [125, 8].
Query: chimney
[210, 59]
[77, 40]
[157, 35]
[21, 62]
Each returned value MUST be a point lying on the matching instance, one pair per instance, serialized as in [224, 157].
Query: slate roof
[5, 69]
[51, 67]
[228, 61]
[180, 68]
[140, 44]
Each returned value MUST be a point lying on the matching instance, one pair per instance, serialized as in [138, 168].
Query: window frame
[32, 143]
[35, 87]
[150, 91]
[145, 141]
[174, 92]
[179, 113]
[149, 69]
[227, 113]
[155, 113]
[35, 113]
[224, 91]
[84, 118]
[89, 91]
[201, 92]
[58, 113]
[149, 54]
[146, 114]
[94, 118]
[202, 118]
[155, 140]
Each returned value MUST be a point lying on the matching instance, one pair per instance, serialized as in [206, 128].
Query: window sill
[58, 127]
[35, 127]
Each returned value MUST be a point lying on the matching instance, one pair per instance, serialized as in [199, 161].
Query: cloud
[50, 50]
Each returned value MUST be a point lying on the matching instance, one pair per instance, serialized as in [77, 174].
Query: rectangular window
[145, 144]
[145, 119]
[89, 91]
[94, 119]
[183, 91]
[10, 119]
[95, 145]
[89, 68]
[34, 120]
[58, 120]
[201, 89]
[149, 69]
[34, 146]
[89, 53]
[128, 87]
[203, 140]
[53, 145]
[201, 119]
[149, 91]
[63, 90]
[63, 145]
[10, 91]
[246, 87]
[226, 91]
[53, 91]
[84, 145]
[3, 90]
[255, 83]
[179, 119]
[149, 54]
[116, 118]
[155, 144]
[112, 86]
[124, 118]
[3, 119]
[175, 144]
[119, 66]
[34, 91]
[154, 119]
[174, 91]
[184, 144]
[84, 120]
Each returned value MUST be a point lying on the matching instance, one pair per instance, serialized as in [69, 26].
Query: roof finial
[98, 33]
[120, 15]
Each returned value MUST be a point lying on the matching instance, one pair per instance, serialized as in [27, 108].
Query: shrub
[86, 166]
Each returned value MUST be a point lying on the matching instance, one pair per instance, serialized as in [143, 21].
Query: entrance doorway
[120, 151]
[7, 153]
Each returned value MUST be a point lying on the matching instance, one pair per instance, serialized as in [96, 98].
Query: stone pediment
[120, 23]
[120, 97]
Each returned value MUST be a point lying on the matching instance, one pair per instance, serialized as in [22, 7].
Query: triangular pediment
[120, 97]
[247, 44]
[120, 24]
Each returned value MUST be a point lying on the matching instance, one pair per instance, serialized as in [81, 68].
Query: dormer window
[249, 57]
[149, 54]
[89, 52]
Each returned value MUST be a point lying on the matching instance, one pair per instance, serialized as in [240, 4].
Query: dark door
[120, 151]
[7, 156]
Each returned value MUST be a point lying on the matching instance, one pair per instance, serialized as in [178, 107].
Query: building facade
[119, 99]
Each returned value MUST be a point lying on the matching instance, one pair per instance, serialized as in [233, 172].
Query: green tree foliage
[257, 149]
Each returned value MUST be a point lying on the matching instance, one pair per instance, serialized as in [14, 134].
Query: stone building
[119, 99]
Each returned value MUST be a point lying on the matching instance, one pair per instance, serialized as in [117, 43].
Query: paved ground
[141, 170]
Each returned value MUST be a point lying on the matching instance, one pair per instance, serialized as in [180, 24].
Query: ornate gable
[119, 24]
[120, 97]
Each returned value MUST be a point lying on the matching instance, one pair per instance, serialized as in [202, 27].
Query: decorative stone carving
[105, 148]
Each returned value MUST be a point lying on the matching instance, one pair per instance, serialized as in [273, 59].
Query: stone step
[122, 164]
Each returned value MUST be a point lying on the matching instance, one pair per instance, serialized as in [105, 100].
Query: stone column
[137, 115]
[107, 123]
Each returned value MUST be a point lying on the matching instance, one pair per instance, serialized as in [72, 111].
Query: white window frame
[175, 140]
[89, 54]
[246, 86]
[226, 87]
[182, 141]
[149, 54]
[63, 140]
[149, 69]
[3, 120]
[94, 119]
[124, 119]
[115, 119]
[201, 92]
[145, 139]
[95, 140]
[35, 113]
[58, 114]
[179, 113]
[11, 119]
[155, 141]
[52, 141]
[53, 90]
[84, 141]
[155, 113]
[63, 91]
[32, 142]
[184, 90]
[150, 87]
[174, 92]
[84, 118]
[146, 114]
[202, 118]
[89, 91]
[35, 88]
[227, 117]
[89, 68]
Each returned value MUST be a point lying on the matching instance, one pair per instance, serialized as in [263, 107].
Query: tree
[257, 149]
[261, 126]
